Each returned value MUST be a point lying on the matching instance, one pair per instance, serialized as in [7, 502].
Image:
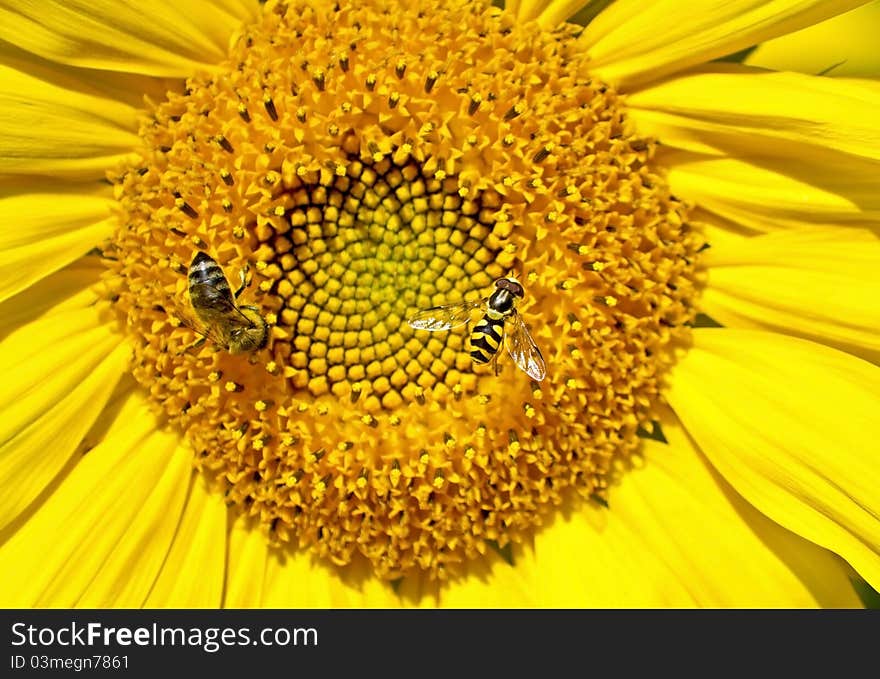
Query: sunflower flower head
[360, 165]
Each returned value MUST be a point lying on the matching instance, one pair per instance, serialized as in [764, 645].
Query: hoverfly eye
[511, 285]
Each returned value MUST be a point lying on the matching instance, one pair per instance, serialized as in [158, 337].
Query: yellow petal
[557, 11]
[51, 231]
[58, 375]
[843, 46]
[735, 108]
[490, 582]
[526, 10]
[771, 194]
[247, 557]
[194, 570]
[548, 13]
[816, 283]
[791, 425]
[23, 266]
[299, 580]
[634, 42]
[718, 230]
[676, 535]
[590, 558]
[100, 539]
[129, 88]
[65, 290]
[50, 130]
[157, 38]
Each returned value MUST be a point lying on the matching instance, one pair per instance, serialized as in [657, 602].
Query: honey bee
[237, 329]
[500, 322]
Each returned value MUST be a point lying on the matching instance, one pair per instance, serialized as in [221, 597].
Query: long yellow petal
[59, 373]
[193, 572]
[34, 453]
[843, 46]
[51, 230]
[819, 284]
[128, 88]
[771, 194]
[792, 426]
[246, 565]
[589, 558]
[557, 11]
[262, 576]
[25, 265]
[158, 38]
[526, 10]
[65, 290]
[488, 582]
[676, 535]
[50, 130]
[736, 108]
[633, 42]
[299, 580]
[100, 539]
[718, 230]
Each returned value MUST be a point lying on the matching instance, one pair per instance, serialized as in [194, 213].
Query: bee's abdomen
[207, 282]
[205, 271]
[486, 339]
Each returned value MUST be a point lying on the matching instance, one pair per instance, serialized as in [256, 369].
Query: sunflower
[695, 240]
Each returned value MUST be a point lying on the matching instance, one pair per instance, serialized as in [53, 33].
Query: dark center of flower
[363, 163]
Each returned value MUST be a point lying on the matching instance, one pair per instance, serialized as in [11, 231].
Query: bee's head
[511, 285]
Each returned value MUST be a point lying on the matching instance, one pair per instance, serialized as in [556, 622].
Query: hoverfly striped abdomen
[486, 338]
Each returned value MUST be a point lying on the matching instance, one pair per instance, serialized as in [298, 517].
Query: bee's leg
[256, 311]
[243, 280]
[195, 345]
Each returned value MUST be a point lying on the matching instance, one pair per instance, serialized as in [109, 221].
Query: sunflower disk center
[360, 255]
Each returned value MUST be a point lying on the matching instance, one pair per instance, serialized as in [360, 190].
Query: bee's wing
[217, 309]
[222, 306]
[523, 349]
[443, 317]
[237, 319]
[188, 318]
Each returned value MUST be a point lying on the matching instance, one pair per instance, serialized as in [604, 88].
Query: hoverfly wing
[443, 317]
[523, 350]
